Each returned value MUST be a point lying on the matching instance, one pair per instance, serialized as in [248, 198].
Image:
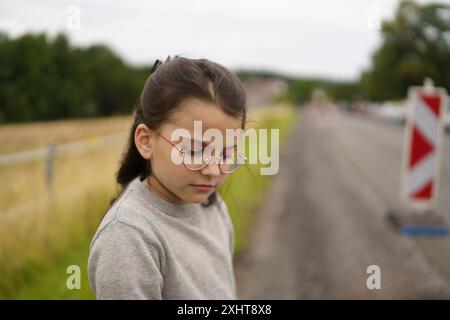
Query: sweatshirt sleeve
[124, 265]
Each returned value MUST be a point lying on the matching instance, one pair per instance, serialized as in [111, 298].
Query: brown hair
[166, 87]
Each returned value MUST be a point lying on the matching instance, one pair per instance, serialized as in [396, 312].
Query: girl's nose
[211, 169]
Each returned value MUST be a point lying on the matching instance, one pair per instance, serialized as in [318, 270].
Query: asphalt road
[324, 219]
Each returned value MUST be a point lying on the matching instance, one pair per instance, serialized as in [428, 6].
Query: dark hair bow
[156, 65]
[159, 62]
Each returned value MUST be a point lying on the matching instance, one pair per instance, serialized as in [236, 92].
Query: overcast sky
[320, 37]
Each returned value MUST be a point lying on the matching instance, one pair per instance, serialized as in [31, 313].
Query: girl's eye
[230, 154]
[191, 151]
[196, 152]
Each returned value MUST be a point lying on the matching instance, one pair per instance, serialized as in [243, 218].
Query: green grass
[41, 273]
[244, 189]
[43, 276]
[50, 283]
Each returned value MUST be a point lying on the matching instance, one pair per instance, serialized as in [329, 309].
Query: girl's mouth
[203, 187]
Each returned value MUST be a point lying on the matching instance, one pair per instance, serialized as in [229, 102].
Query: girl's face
[174, 182]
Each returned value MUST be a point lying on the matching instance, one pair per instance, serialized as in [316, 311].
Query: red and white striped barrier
[422, 146]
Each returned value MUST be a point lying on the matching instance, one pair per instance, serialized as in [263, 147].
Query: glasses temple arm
[173, 145]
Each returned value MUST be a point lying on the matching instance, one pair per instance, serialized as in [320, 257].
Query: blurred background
[332, 76]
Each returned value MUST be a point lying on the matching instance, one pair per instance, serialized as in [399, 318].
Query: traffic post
[422, 152]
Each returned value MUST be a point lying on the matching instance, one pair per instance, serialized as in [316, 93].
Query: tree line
[44, 78]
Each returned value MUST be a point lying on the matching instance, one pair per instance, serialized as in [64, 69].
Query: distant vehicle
[390, 111]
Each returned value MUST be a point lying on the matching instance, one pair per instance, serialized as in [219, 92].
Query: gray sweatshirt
[149, 248]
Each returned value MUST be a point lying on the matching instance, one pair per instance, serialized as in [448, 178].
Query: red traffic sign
[422, 146]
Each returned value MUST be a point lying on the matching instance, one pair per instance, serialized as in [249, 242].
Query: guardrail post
[50, 162]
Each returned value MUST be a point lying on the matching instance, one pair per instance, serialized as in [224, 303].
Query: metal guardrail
[66, 148]
[48, 154]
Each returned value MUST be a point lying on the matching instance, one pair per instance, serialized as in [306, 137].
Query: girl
[168, 235]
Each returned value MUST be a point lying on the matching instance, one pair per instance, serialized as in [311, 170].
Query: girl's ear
[143, 139]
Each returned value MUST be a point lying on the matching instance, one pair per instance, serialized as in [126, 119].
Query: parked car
[393, 112]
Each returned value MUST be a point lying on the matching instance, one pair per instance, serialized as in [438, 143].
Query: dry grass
[36, 224]
[20, 137]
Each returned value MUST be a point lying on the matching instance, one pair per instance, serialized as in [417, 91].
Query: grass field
[42, 232]
[19, 137]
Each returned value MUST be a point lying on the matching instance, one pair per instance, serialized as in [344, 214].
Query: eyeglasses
[194, 160]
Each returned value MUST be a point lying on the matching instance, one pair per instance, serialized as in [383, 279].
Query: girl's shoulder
[127, 210]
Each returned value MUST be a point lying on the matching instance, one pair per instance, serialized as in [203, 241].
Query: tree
[416, 45]
[44, 79]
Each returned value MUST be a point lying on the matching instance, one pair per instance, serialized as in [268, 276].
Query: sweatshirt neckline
[163, 205]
